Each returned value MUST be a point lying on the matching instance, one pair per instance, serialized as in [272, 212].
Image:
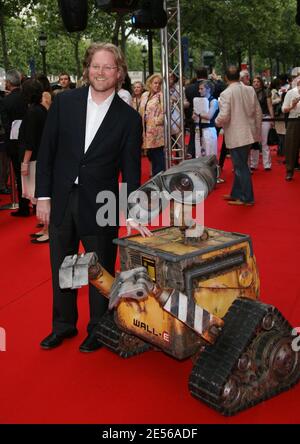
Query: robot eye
[147, 202]
[191, 181]
[181, 183]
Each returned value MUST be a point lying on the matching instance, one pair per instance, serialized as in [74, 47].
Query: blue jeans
[242, 185]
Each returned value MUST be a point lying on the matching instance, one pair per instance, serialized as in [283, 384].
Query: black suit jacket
[115, 148]
[13, 107]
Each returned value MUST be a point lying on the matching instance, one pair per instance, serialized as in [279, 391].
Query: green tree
[11, 9]
[262, 32]
[236, 29]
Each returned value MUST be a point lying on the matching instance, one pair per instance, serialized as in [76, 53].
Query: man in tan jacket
[240, 116]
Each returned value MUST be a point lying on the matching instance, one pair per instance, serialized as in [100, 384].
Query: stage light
[121, 6]
[74, 14]
[151, 15]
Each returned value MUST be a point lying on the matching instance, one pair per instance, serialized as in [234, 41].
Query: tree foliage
[257, 30]
[262, 33]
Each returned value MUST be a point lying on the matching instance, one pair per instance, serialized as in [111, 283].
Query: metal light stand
[172, 63]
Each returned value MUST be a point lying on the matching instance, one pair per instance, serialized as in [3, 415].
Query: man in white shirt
[291, 105]
[90, 137]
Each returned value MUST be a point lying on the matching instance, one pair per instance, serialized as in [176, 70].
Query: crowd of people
[22, 122]
[67, 144]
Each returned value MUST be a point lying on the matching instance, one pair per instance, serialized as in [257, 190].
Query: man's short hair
[14, 77]
[64, 74]
[232, 73]
[244, 73]
[295, 71]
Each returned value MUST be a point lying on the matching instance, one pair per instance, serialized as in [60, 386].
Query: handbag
[273, 138]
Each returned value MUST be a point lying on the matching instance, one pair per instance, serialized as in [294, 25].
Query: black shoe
[20, 213]
[90, 344]
[54, 339]
[288, 177]
[44, 239]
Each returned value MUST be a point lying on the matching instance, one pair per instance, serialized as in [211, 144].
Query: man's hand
[133, 224]
[43, 208]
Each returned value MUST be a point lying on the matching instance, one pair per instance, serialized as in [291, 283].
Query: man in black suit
[13, 109]
[90, 136]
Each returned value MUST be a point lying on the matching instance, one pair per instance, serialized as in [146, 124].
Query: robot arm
[77, 271]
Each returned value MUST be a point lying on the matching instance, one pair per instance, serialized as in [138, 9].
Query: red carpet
[66, 386]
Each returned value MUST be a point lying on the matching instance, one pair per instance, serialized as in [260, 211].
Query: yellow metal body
[213, 272]
[217, 293]
[147, 320]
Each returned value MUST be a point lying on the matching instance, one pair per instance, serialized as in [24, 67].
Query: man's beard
[101, 86]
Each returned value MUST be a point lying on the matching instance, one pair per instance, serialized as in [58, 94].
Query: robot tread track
[251, 361]
[116, 340]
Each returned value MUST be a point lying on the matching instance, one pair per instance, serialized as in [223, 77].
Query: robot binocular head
[192, 180]
[188, 183]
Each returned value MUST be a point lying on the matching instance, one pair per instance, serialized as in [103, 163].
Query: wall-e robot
[193, 294]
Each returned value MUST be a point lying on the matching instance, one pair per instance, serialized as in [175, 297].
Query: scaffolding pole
[172, 63]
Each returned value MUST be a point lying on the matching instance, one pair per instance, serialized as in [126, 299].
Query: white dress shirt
[94, 117]
[294, 113]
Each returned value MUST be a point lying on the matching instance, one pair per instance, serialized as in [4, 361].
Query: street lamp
[43, 44]
[277, 63]
[144, 57]
[239, 54]
[191, 63]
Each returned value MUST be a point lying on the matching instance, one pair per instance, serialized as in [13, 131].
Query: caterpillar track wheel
[251, 361]
[116, 340]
